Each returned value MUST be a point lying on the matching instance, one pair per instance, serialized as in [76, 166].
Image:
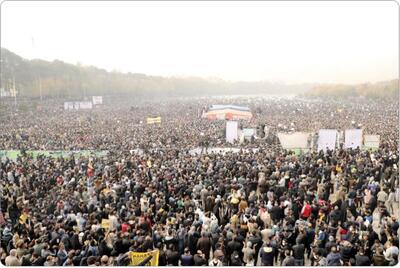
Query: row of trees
[59, 79]
[34, 78]
[386, 89]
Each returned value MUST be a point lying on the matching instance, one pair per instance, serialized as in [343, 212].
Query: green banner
[13, 154]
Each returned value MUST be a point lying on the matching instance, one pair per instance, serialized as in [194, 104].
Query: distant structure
[228, 112]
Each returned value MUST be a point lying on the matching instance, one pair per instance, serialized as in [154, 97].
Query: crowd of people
[248, 208]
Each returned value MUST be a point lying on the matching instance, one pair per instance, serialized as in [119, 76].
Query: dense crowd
[254, 207]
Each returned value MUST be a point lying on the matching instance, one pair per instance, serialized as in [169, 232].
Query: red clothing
[60, 180]
[90, 172]
[124, 228]
[306, 211]
[342, 233]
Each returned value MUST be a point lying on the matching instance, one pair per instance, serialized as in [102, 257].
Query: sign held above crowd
[353, 138]
[327, 139]
[295, 140]
[153, 120]
[231, 131]
[97, 100]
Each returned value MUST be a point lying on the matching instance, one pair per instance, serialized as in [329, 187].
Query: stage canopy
[228, 112]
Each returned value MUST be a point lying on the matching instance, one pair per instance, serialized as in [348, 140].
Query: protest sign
[327, 139]
[353, 138]
[153, 120]
[105, 223]
[144, 258]
[231, 131]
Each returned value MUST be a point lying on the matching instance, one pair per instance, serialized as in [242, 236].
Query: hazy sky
[342, 42]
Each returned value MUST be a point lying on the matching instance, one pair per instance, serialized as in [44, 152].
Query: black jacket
[199, 261]
[298, 251]
[362, 260]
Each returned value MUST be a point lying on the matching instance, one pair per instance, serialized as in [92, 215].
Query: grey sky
[334, 42]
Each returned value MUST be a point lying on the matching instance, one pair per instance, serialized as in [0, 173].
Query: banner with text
[68, 105]
[144, 258]
[85, 105]
[294, 140]
[371, 141]
[353, 138]
[153, 120]
[97, 100]
[327, 139]
[231, 131]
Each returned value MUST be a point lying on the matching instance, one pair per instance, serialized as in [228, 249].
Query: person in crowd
[122, 186]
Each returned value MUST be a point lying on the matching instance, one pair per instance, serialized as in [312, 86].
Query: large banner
[144, 258]
[371, 141]
[153, 120]
[68, 105]
[248, 132]
[97, 100]
[85, 105]
[221, 150]
[231, 131]
[353, 138]
[327, 139]
[14, 154]
[298, 140]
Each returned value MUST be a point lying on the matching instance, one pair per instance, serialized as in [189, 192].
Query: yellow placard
[106, 191]
[105, 223]
[153, 120]
[338, 169]
[23, 218]
[137, 258]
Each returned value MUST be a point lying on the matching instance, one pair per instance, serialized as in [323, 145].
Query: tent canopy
[229, 107]
[228, 112]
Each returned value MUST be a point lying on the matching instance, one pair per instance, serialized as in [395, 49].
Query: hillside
[59, 79]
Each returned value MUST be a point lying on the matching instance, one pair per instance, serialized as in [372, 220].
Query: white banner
[266, 131]
[296, 140]
[327, 139]
[85, 105]
[231, 131]
[353, 138]
[97, 100]
[248, 132]
[222, 150]
[68, 105]
[371, 141]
